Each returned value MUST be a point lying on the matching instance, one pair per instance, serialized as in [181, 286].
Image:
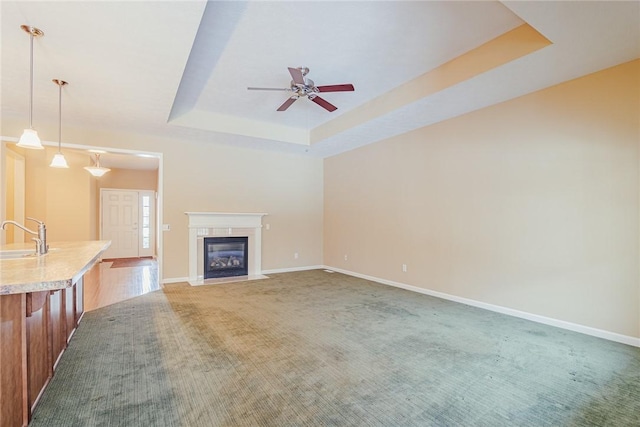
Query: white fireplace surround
[220, 224]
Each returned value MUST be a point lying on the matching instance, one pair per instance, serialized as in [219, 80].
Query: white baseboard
[611, 336]
[289, 270]
[174, 280]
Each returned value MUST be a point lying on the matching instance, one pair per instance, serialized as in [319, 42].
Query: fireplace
[205, 225]
[225, 256]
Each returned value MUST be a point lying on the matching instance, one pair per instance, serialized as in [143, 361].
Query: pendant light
[29, 138]
[97, 170]
[58, 160]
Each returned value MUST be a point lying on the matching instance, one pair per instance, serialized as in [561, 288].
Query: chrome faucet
[41, 241]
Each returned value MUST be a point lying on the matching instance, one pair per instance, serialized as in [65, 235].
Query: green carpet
[318, 349]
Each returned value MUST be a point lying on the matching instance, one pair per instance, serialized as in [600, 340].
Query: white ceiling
[181, 68]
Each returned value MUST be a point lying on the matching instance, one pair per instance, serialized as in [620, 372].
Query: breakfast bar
[41, 303]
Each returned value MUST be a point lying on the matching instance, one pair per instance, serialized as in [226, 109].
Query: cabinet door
[58, 325]
[70, 310]
[79, 299]
[13, 409]
[39, 363]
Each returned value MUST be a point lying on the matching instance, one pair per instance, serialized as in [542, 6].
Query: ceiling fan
[302, 86]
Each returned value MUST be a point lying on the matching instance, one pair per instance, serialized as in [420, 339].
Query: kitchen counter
[41, 305]
[65, 263]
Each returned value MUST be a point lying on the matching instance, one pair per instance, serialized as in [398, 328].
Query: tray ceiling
[181, 68]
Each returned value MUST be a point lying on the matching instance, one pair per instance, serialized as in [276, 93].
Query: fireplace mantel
[220, 224]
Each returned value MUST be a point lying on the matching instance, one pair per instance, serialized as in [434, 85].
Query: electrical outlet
[345, 257]
[404, 268]
[295, 256]
[268, 226]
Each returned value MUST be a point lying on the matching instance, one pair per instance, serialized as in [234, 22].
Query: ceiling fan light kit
[301, 86]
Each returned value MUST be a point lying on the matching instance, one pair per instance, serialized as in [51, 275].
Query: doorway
[127, 218]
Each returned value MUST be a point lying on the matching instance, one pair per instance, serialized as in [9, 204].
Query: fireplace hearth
[225, 256]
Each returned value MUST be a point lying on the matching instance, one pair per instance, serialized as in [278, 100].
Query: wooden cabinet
[79, 290]
[39, 365]
[70, 310]
[58, 325]
[35, 329]
[13, 360]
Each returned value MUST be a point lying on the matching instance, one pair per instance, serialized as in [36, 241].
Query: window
[146, 222]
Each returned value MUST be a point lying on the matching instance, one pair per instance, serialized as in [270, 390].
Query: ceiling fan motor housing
[305, 89]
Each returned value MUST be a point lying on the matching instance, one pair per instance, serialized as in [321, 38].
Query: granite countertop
[63, 266]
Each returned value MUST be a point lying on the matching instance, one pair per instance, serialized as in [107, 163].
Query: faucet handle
[36, 220]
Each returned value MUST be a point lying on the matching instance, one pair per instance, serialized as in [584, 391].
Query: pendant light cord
[60, 118]
[31, 83]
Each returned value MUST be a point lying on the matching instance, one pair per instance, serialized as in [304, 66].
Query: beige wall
[3, 187]
[129, 179]
[94, 210]
[9, 205]
[60, 197]
[201, 176]
[532, 204]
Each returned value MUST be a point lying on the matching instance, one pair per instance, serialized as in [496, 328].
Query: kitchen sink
[17, 254]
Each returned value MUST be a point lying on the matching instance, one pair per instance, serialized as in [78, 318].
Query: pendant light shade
[58, 160]
[29, 138]
[97, 170]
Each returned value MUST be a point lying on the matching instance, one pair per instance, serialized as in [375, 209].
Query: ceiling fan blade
[336, 88]
[296, 75]
[269, 88]
[324, 103]
[287, 103]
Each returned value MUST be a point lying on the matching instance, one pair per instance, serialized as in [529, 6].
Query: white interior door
[120, 223]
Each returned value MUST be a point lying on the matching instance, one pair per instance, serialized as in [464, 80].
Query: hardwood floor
[105, 285]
